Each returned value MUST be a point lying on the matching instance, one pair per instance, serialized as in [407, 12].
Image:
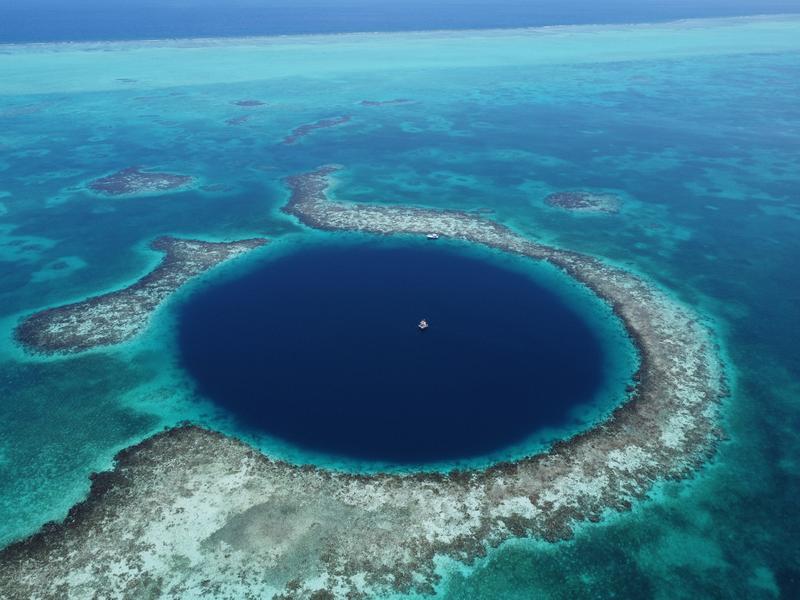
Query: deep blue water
[321, 349]
[56, 20]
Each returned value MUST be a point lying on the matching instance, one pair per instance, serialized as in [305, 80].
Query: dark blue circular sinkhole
[321, 349]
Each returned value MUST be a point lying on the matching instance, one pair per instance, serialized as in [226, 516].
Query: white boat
[423, 325]
[432, 236]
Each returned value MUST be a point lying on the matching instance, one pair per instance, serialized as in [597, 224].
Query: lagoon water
[694, 125]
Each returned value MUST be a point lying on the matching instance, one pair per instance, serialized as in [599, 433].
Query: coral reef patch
[585, 202]
[304, 130]
[237, 120]
[386, 102]
[133, 180]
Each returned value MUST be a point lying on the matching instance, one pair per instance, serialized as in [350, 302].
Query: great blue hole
[321, 349]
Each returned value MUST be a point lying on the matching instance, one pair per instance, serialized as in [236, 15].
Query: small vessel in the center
[432, 236]
[423, 325]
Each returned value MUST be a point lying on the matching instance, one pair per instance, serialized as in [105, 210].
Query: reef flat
[135, 181]
[585, 202]
[192, 513]
[304, 130]
[119, 315]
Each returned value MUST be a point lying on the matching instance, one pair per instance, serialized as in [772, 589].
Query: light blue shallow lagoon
[693, 127]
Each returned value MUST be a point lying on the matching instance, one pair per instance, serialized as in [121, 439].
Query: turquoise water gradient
[695, 125]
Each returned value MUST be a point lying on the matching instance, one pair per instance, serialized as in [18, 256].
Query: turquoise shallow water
[695, 126]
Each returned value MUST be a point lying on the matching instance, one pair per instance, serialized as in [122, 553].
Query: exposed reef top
[198, 514]
[119, 315]
[135, 181]
[304, 130]
[586, 202]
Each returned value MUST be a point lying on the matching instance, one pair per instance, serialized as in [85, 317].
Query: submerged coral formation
[135, 181]
[237, 120]
[586, 202]
[386, 102]
[119, 315]
[193, 513]
[304, 130]
[249, 103]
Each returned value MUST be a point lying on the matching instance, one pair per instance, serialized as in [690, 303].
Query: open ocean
[694, 126]
[54, 20]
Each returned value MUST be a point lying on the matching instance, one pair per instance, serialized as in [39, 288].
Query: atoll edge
[117, 316]
[239, 522]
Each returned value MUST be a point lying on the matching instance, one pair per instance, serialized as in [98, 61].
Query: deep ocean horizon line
[441, 32]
